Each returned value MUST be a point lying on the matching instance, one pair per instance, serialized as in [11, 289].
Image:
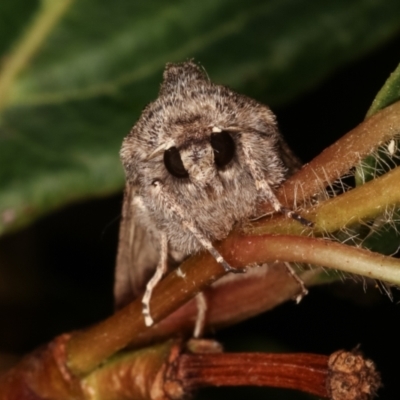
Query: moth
[200, 159]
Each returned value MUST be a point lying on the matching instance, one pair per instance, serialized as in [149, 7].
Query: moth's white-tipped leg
[208, 246]
[214, 252]
[191, 227]
[148, 321]
[264, 187]
[291, 214]
[303, 289]
[201, 303]
[160, 271]
[278, 207]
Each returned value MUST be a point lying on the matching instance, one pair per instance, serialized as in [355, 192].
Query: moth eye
[174, 164]
[224, 148]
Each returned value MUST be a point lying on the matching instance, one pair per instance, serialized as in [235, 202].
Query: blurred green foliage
[78, 90]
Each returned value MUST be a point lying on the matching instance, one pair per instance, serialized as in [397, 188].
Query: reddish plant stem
[175, 370]
[341, 156]
[42, 375]
[304, 372]
[263, 288]
[90, 347]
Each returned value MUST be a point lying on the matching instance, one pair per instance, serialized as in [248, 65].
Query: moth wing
[138, 252]
[291, 161]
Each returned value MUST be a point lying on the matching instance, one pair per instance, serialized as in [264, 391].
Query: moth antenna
[263, 186]
[160, 149]
[190, 226]
[160, 271]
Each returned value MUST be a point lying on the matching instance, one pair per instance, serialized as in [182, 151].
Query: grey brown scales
[200, 159]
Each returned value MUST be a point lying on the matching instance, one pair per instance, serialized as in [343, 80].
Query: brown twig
[304, 372]
[341, 376]
[42, 375]
[263, 288]
[88, 348]
[169, 372]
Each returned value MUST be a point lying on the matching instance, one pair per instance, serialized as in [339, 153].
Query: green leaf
[383, 233]
[76, 80]
[381, 162]
[389, 94]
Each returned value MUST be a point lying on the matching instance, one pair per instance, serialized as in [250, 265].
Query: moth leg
[303, 289]
[293, 215]
[201, 303]
[263, 186]
[160, 271]
[190, 226]
[209, 247]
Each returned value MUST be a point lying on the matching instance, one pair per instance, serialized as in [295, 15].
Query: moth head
[197, 131]
[217, 151]
[179, 76]
[201, 161]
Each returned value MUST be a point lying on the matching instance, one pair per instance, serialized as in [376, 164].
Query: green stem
[362, 203]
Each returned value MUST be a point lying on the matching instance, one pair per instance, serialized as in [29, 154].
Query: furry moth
[200, 159]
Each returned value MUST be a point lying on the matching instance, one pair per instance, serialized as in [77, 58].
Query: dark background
[59, 271]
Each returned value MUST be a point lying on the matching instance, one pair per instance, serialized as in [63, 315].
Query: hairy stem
[90, 347]
[362, 203]
[340, 157]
